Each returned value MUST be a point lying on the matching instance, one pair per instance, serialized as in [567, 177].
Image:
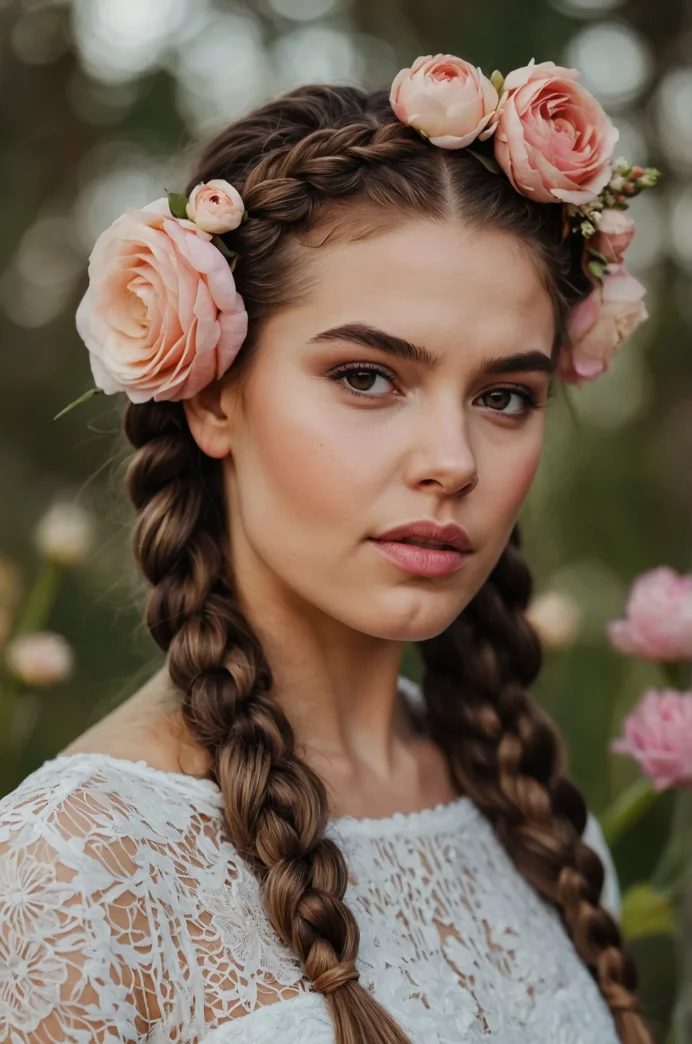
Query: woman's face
[335, 441]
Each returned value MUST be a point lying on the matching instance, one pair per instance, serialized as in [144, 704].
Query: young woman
[337, 348]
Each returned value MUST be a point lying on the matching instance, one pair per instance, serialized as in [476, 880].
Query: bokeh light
[614, 61]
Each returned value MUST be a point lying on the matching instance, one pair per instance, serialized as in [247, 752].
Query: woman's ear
[210, 415]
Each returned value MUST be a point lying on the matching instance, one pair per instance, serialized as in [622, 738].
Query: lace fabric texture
[125, 915]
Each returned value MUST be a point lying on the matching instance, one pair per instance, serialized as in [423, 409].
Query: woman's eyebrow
[372, 337]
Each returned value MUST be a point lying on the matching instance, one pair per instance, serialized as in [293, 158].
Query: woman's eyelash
[531, 400]
[342, 371]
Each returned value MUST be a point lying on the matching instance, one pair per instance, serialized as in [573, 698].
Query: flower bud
[556, 618]
[40, 659]
[65, 534]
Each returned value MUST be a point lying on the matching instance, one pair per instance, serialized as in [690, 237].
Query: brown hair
[301, 163]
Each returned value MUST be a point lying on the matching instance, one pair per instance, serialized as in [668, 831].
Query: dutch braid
[275, 805]
[294, 160]
[507, 755]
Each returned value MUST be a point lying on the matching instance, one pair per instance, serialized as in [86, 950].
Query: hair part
[323, 162]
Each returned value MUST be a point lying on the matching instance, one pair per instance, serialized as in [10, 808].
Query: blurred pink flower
[40, 659]
[659, 617]
[658, 735]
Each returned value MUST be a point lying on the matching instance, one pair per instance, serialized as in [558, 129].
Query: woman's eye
[500, 398]
[363, 380]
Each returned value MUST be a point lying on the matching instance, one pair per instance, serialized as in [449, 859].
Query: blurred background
[102, 102]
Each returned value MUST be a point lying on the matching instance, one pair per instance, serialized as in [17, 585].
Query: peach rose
[445, 99]
[600, 324]
[658, 735]
[161, 316]
[658, 624]
[614, 235]
[215, 206]
[553, 139]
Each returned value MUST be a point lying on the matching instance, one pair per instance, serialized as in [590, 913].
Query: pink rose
[445, 99]
[658, 735]
[600, 324]
[614, 235]
[161, 316]
[659, 617]
[553, 139]
[215, 206]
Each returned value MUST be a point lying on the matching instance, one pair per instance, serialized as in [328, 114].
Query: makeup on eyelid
[338, 374]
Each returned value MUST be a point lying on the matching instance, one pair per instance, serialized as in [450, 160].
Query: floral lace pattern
[126, 916]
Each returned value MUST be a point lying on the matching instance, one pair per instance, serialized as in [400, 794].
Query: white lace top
[126, 916]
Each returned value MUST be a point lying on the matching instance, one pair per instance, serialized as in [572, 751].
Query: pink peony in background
[553, 139]
[614, 235]
[600, 324]
[161, 316]
[659, 617]
[445, 99]
[215, 206]
[658, 735]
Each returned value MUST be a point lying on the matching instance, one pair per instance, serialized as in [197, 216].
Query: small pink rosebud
[40, 659]
[215, 206]
[445, 99]
[658, 624]
[637, 172]
[658, 735]
[614, 234]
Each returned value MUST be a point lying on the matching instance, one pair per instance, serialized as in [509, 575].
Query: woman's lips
[422, 561]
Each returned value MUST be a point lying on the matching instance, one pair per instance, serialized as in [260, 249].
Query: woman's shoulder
[95, 854]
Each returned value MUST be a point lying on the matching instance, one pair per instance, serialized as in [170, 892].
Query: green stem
[627, 808]
[40, 600]
[677, 674]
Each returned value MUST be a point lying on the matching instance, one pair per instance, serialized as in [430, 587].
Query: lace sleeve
[610, 898]
[69, 923]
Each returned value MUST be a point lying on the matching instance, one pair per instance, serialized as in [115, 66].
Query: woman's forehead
[430, 280]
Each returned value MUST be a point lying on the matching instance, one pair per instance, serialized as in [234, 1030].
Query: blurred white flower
[40, 659]
[556, 616]
[65, 534]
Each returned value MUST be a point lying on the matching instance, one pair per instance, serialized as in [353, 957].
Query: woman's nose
[443, 454]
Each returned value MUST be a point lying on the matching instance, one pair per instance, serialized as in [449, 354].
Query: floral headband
[161, 317]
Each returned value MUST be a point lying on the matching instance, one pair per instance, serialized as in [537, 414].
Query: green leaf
[488, 162]
[177, 204]
[646, 911]
[498, 81]
[77, 402]
[244, 217]
[218, 242]
[595, 253]
[595, 268]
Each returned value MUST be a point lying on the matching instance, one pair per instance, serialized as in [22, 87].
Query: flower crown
[161, 317]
